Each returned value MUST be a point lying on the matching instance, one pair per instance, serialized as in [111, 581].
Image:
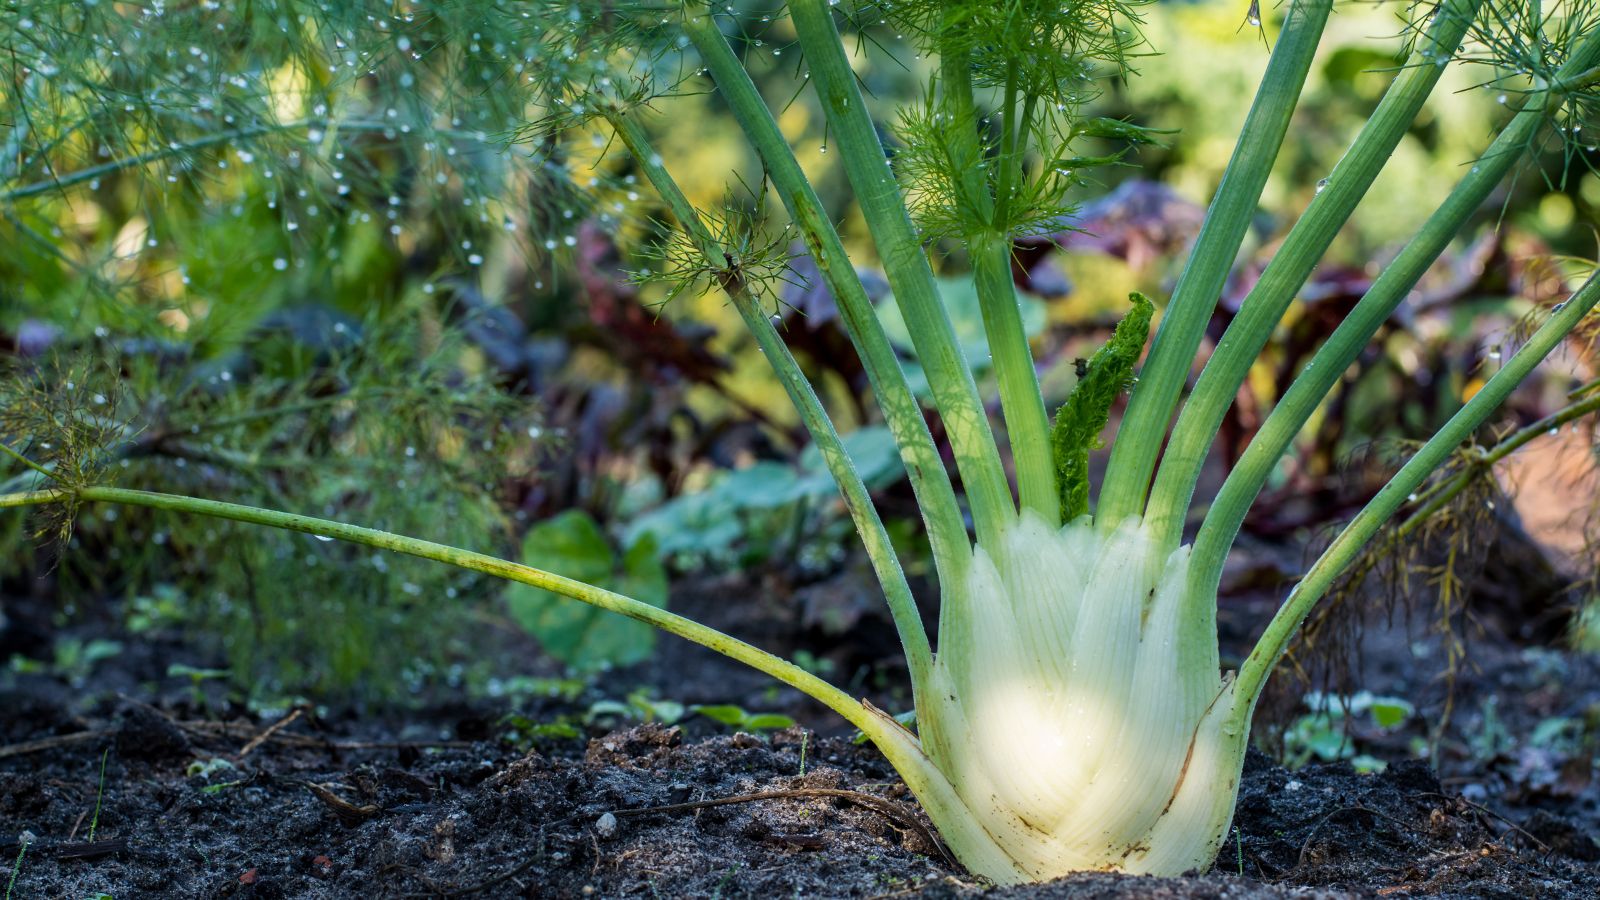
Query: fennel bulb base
[1077, 710]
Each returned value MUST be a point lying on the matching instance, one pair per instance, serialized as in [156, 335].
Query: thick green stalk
[1022, 403]
[977, 849]
[1344, 346]
[936, 498]
[1347, 547]
[878, 196]
[880, 550]
[1027, 424]
[1183, 324]
[789, 674]
[1310, 238]
[1438, 496]
[1429, 502]
[958, 104]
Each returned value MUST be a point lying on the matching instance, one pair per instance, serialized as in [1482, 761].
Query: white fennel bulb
[1070, 718]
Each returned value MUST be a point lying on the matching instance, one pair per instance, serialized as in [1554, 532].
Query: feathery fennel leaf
[1087, 409]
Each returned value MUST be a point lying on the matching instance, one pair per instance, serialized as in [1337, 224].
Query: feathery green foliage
[1011, 173]
[1087, 409]
[337, 433]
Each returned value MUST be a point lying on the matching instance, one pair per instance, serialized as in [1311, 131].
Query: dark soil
[205, 800]
[308, 817]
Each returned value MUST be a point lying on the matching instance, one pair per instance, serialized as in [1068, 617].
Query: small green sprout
[197, 678]
[738, 718]
[99, 794]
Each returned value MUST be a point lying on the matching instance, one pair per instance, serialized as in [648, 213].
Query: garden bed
[439, 802]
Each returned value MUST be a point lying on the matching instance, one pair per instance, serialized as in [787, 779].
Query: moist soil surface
[128, 783]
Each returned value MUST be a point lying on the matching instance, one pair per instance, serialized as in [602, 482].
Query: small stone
[606, 826]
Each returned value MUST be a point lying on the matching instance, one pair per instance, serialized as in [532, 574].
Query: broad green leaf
[602, 708]
[1388, 712]
[642, 575]
[764, 485]
[874, 453]
[727, 714]
[961, 304]
[727, 516]
[736, 717]
[768, 722]
[1367, 764]
[582, 636]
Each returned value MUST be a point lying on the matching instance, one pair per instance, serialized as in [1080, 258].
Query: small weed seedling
[99, 795]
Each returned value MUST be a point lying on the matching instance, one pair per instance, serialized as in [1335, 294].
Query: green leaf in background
[737, 717]
[768, 722]
[712, 524]
[582, 636]
[960, 298]
[642, 573]
[763, 485]
[874, 453]
[1387, 712]
[727, 714]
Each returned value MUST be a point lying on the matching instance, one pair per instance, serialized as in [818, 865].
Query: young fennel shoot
[1071, 712]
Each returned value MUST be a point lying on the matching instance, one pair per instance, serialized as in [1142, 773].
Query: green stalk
[956, 99]
[1183, 324]
[1021, 401]
[880, 550]
[1437, 497]
[936, 498]
[1014, 132]
[786, 672]
[1027, 424]
[1344, 346]
[979, 851]
[1347, 547]
[1310, 238]
[955, 392]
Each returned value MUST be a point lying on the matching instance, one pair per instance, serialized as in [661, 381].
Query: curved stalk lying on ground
[1074, 715]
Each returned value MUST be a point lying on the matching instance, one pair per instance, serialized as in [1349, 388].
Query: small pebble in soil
[606, 826]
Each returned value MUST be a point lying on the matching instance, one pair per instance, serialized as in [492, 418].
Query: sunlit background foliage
[378, 262]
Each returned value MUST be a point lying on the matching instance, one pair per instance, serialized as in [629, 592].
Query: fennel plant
[1071, 713]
